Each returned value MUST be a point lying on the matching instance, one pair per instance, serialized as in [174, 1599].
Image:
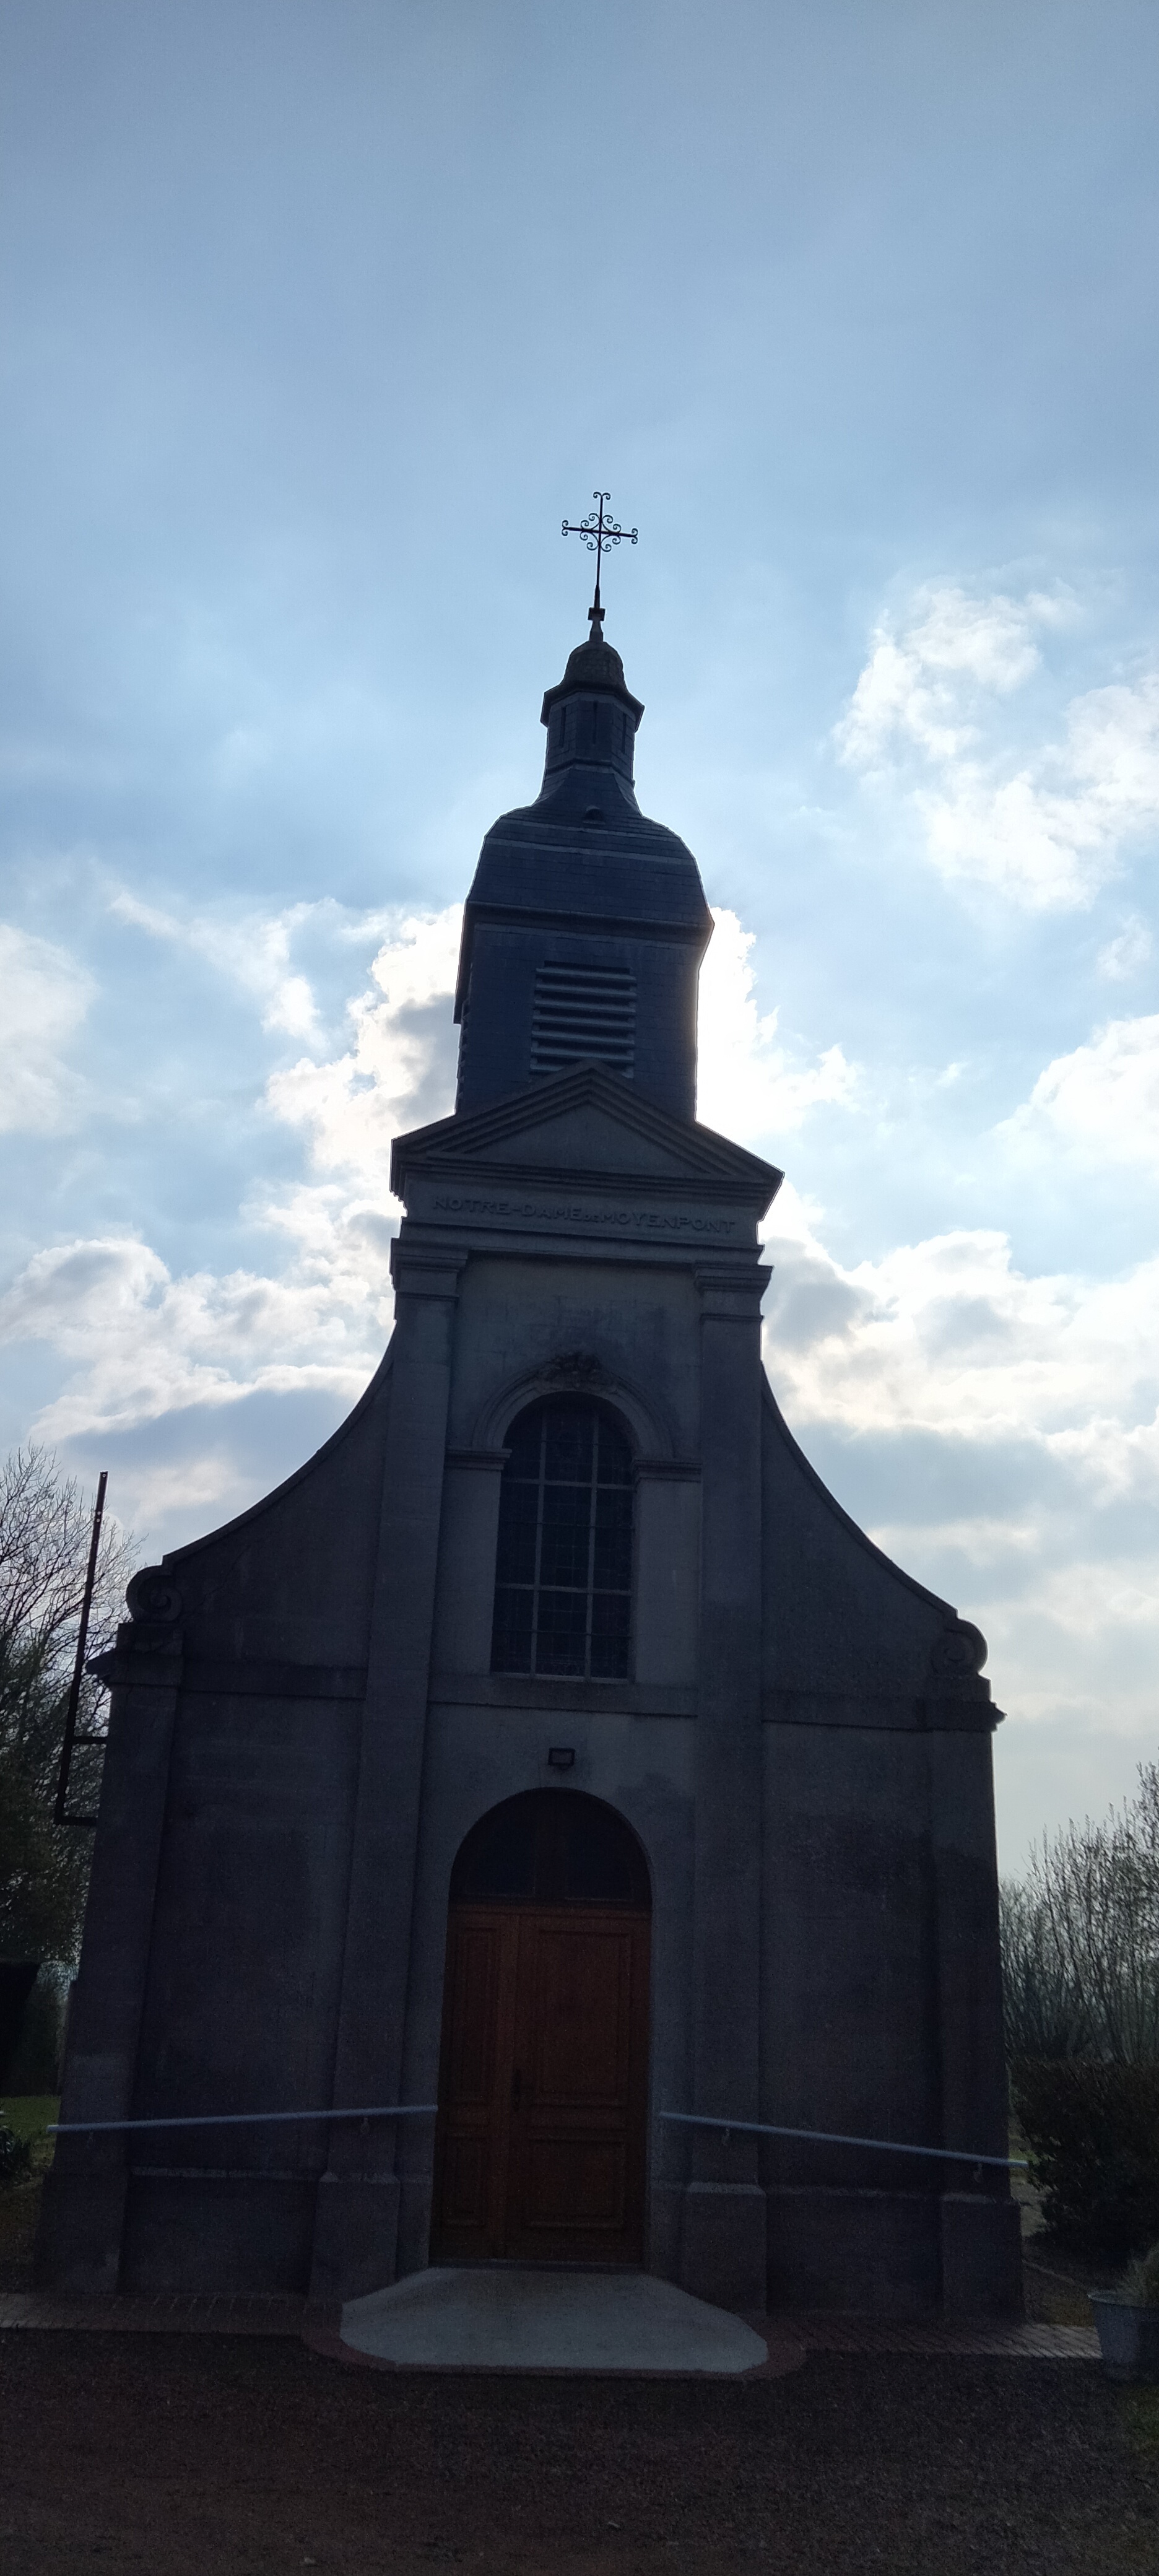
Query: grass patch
[29, 2114]
[1052, 2300]
[19, 2217]
[1141, 2416]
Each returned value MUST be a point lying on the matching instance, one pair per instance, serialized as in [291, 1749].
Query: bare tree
[1043, 2008]
[45, 1523]
[1081, 1938]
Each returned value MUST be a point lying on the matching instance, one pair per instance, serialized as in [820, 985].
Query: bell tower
[586, 923]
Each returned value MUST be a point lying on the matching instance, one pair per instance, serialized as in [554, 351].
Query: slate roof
[583, 851]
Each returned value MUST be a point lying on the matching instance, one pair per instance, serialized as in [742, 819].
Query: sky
[315, 321]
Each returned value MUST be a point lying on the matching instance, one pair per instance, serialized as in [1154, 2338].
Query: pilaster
[82, 2223]
[667, 1578]
[357, 2214]
[723, 2254]
[467, 1544]
[980, 2254]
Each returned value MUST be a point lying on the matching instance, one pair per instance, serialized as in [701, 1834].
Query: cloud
[253, 953]
[1101, 1102]
[1045, 830]
[748, 1086]
[398, 1070]
[141, 1343]
[46, 994]
[137, 1343]
[948, 1336]
[921, 685]
[997, 1433]
[1123, 956]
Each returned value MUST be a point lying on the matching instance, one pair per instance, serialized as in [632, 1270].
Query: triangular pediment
[586, 1121]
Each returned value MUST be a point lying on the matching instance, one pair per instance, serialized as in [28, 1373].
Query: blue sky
[316, 321]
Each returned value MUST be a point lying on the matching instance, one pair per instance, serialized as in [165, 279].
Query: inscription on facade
[627, 1220]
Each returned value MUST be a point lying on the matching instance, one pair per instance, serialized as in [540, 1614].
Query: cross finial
[599, 534]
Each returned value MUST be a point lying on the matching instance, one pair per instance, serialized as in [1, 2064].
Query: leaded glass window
[563, 1589]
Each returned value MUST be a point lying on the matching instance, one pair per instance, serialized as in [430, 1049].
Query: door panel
[477, 2037]
[570, 2183]
[568, 2178]
[543, 2092]
[466, 2185]
[579, 1978]
[478, 1969]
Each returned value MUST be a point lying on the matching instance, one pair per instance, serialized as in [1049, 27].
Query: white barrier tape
[242, 2119]
[834, 2138]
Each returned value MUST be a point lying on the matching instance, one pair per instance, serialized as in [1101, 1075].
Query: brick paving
[819, 2330]
[823, 2331]
[161, 2314]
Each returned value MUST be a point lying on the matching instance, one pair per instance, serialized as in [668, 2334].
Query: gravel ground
[208, 2456]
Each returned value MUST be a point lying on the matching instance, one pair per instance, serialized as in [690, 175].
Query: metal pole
[58, 1815]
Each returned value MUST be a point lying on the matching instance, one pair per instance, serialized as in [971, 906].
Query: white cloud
[747, 1085]
[1123, 956]
[924, 683]
[1046, 829]
[137, 1343]
[140, 1343]
[1102, 1101]
[253, 953]
[949, 1336]
[399, 1069]
[998, 1435]
[45, 995]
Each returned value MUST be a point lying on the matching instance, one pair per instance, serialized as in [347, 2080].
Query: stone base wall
[895, 2254]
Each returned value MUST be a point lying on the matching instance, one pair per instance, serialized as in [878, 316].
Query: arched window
[563, 1588]
[551, 1847]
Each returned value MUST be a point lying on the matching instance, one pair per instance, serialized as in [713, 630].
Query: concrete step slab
[511, 2319]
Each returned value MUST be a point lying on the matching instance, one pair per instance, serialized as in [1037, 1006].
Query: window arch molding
[576, 1373]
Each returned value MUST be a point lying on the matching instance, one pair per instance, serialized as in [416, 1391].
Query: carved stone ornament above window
[576, 1368]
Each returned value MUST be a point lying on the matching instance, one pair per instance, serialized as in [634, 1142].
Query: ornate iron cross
[599, 534]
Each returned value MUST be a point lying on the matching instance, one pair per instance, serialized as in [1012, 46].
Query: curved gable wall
[839, 1617]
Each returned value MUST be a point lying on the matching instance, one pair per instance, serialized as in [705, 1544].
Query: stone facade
[307, 1721]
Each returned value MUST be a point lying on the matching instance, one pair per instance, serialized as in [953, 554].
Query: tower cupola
[591, 719]
[586, 922]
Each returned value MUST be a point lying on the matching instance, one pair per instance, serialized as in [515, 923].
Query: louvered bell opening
[584, 1011]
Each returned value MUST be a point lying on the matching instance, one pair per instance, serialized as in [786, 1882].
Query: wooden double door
[543, 2090]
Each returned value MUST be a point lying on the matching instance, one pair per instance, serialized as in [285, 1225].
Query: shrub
[15, 2155]
[1093, 2133]
[34, 2066]
[1140, 2282]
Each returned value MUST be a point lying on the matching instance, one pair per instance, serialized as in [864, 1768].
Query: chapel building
[551, 1756]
